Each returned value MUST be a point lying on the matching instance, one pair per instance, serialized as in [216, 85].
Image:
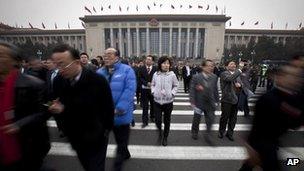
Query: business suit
[87, 117]
[204, 99]
[146, 96]
[186, 78]
[229, 101]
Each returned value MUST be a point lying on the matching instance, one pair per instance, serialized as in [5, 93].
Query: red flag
[190, 6]
[207, 7]
[94, 9]
[216, 9]
[199, 6]
[256, 23]
[55, 26]
[87, 9]
[43, 26]
[243, 23]
[31, 25]
[83, 25]
[172, 7]
[271, 25]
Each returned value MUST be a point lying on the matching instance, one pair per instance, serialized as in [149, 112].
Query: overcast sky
[280, 12]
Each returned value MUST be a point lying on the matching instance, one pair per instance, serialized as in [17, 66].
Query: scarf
[9, 145]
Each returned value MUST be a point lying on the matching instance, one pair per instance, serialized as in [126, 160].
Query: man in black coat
[145, 77]
[278, 110]
[231, 86]
[86, 106]
[24, 138]
[186, 72]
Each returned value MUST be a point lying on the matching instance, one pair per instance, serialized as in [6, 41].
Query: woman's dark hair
[162, 60]
[65, 47]
[14, 53]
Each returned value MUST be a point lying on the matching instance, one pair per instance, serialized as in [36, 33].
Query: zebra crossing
[182, 151]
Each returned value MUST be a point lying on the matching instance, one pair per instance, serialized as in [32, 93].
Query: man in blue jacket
[122, 81]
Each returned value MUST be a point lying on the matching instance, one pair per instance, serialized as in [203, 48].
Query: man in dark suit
[203, 98]
[278, 110]
[186, 72]
[231, 86]
[145, 76]
[86, 106]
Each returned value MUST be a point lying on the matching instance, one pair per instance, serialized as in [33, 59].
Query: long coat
[88, 110]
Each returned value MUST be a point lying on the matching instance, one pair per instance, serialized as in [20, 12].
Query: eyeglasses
[65, 67]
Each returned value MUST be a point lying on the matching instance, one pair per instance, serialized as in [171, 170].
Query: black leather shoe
[165, 143]
[229, 137]
[194, 136]
[220, 135]
[144, 125]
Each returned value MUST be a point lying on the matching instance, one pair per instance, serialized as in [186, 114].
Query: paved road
[182, 152]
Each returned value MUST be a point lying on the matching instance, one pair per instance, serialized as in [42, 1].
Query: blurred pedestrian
[282, 108]
[86, 107]
[163, 87]
[24, 138]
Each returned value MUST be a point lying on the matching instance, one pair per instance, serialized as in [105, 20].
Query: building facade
[180, 36]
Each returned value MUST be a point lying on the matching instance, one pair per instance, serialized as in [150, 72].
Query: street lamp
[252, 54]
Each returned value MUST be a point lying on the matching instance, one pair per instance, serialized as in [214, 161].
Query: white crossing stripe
[180, 152]
[190, 112]
[182, 126]
[188, 104]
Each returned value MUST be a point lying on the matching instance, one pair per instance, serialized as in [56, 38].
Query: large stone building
[182, 36]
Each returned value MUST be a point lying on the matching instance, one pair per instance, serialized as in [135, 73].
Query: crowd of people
[90, 98]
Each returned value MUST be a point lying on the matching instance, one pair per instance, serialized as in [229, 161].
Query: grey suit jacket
[229, 93]
[206, 98]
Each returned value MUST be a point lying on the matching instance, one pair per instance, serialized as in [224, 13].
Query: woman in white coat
[163, 87]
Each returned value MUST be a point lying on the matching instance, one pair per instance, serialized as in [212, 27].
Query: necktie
[148, 69]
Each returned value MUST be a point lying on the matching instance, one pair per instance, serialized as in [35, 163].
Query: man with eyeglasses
[86, 107]
[122, 81]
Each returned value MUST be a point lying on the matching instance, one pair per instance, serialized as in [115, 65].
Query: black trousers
[167, 110]
[209, 118]
[121, 134]
[229, 114]
[93, 160]
[146, 98]
[186, 83]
